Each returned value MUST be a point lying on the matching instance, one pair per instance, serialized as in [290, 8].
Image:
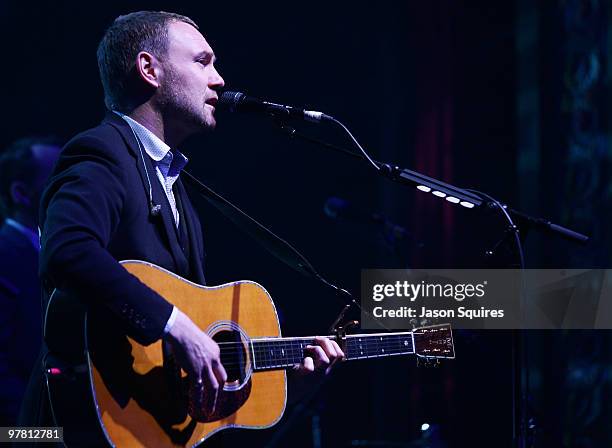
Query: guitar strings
[365, 337]
[238, 347]
[297, 341]
[294, 354]
[288, 362]
[291, 351]
[281, 345]
[298, 359]
[282, 349]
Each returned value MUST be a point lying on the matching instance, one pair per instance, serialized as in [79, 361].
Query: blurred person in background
[24, 169]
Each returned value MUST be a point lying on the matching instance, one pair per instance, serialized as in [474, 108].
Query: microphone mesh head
[230, 100]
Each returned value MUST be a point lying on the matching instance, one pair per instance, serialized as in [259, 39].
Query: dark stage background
[507, 97]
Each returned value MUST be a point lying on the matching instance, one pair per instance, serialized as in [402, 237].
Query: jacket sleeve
[80, 210]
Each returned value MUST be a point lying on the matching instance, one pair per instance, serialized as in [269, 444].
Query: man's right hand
[198, 354]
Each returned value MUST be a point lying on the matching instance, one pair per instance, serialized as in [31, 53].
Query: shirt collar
[30, 234]
[153, 145]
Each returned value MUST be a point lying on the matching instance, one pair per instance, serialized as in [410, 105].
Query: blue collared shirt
[168, 163]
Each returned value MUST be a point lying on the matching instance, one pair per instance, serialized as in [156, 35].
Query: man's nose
[217, 80]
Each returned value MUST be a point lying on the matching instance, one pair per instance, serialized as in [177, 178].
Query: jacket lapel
[194, 236]
[165, 219]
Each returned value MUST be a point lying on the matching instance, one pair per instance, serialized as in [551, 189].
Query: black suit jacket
[95, 211]
[20, 319]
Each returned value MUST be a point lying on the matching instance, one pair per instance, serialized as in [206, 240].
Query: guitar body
[138, 395]
[107, 389]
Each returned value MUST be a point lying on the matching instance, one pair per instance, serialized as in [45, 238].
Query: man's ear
[20, 194]
[148, 68]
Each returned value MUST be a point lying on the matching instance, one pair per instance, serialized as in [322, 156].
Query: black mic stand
[467, 198]
[522, 426]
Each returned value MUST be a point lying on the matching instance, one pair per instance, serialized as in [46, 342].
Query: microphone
[239, 102]
[154, 209]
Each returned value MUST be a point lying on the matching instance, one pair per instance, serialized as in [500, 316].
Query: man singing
[116, 194]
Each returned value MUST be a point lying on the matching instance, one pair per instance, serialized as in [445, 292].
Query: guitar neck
[283, 353]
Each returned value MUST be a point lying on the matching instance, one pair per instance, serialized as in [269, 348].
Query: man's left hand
[321, 356]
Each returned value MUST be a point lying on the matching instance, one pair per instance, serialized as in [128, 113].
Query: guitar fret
[253, 355]
[278, 353]
[366, 346]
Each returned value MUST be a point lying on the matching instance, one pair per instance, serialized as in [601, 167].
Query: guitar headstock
[435, 341]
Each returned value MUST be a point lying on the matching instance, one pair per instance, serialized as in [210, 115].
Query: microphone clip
[154, 209]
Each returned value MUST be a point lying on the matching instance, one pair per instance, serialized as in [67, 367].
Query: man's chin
[205, 124]
[208, 126]
[209, 119]
[210, 123]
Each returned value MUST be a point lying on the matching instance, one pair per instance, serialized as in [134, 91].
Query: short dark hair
[123, 40]
[17, 163]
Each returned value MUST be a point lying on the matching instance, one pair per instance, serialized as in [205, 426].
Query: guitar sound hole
[233, 355]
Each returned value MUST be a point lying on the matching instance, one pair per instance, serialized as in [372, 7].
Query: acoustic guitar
[119, 393]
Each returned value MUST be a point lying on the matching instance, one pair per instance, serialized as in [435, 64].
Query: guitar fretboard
[279, 353]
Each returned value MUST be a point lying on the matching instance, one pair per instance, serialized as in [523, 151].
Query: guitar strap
[273, 243]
